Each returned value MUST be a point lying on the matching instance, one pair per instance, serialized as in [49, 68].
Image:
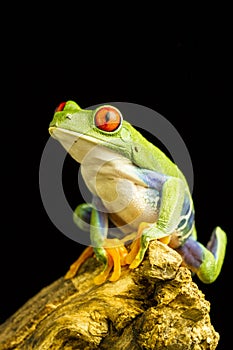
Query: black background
[186, 79]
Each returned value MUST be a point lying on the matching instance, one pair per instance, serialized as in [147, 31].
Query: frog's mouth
[76, 144]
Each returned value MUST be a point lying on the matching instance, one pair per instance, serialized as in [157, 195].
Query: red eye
[108, 118]
[60, 107]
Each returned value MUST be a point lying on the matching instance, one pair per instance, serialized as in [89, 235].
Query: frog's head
[79, 130]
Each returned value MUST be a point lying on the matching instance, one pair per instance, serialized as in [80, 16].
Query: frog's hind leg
[146, 233]
[206, 262]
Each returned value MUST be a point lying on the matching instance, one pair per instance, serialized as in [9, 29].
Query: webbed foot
[115, 254]
[112, 255]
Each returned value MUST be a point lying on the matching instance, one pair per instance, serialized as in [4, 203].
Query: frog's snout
[51, 130]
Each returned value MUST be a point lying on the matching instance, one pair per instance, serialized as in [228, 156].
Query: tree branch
[156, 306]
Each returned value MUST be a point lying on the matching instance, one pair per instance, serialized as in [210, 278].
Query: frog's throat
[78, 145]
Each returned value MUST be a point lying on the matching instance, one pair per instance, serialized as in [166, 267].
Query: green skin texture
[129, 143]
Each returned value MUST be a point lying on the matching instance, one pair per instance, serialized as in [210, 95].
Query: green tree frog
[139, 195]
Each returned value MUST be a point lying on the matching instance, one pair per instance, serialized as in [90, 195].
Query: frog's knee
[209, 268]
[217, 243]
[213, 256]
[205, 262]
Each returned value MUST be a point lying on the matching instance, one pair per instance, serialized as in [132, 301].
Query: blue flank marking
[151, 178]
[186, 218]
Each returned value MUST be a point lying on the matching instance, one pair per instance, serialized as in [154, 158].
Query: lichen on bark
[156, 306]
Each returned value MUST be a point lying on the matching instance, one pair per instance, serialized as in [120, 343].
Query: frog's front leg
[111, 252]
[82, 218]
[206, 262]
[172, 199]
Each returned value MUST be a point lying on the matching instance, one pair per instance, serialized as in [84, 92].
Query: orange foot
[116, 258]
[135, 247]
[116, 254]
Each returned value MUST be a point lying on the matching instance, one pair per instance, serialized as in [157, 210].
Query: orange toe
[123, 254]
[135, 246]
[87, 253]
[165, 240]
[116, 259]
[115, 255]
[102, 277]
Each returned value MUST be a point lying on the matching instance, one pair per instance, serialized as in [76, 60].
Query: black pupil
[108, 116]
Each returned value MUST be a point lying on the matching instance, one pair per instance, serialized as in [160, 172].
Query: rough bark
[156, 306]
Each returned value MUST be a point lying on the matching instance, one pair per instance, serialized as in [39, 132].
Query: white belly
[113, 178]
